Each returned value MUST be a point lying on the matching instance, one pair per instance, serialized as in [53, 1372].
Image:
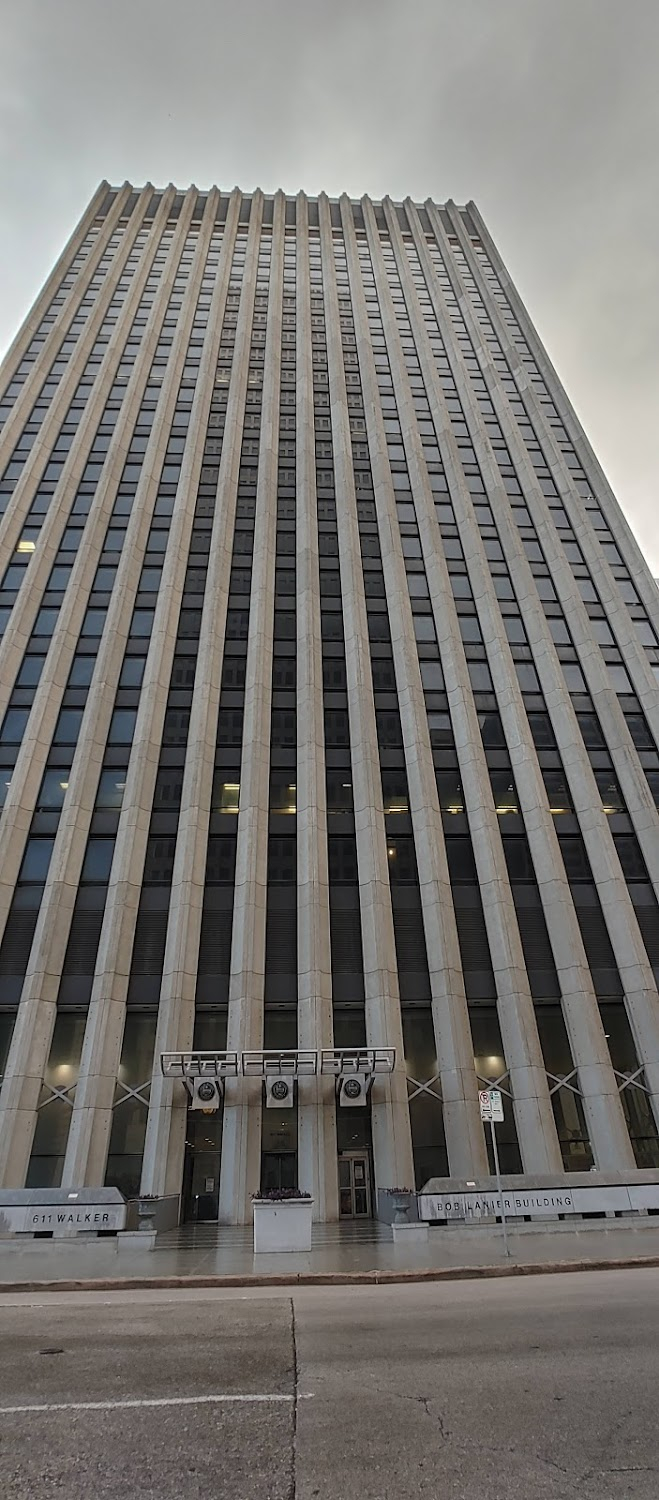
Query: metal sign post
[491, 1106]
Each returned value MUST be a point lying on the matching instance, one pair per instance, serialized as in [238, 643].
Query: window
[479, 676]
[518, 859]
[282, 864]
[542, 732]
[339, 791]
[401, 861]
[389, 728]
[462, 868]
[82, 671]
[67, 728]
[527, 677]
[449, 790]
[424, 628]
[575, 859]
[337, 728]
[417, 586]
[515, 631]
[504, 793]
[159, 861]
[13, 726]
[221, 861]
[52, 791]
[97, 862]
[132, 671]
[432, 676]
[491, 731]
[574, 678]
[591, 733]
[229, 726]
[639, 732]
[282, 792]
[47, 619]
[30, 671]
[284, 729]
[122, 726]
[440, 729]
[470, 629]
[141, 623]
[14, 577]
[110, 789]
[342, 854]
[36, 860]
[631, 859]
[556, 787]
[394, 791]
[620, 680]
[104, 580]
[559, 633]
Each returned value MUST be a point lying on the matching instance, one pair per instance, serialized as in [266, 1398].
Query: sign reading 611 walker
[491, 1104]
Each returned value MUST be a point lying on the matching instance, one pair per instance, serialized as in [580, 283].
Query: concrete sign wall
[62, 1220]
[539, 1203]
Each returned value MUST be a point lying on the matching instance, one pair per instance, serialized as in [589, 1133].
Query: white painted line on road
[152, 1401]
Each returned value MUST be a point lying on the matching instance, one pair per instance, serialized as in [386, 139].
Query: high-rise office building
[330, 712]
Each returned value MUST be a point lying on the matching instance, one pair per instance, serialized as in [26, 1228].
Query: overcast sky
[546, 112]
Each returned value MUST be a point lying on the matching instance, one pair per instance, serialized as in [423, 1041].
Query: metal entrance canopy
[293, 1063]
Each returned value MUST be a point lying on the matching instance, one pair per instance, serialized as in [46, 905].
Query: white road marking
[153, 1401]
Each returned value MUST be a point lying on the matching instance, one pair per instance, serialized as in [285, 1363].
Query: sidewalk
[211, 1254]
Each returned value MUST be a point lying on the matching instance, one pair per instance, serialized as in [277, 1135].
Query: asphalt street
[534, 1388]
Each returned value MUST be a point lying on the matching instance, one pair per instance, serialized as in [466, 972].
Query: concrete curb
[330, 1278]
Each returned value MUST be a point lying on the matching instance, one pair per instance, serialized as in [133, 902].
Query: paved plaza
[211, 1250]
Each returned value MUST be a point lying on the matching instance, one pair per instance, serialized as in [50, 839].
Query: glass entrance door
[201, 1172]
[354, 1186]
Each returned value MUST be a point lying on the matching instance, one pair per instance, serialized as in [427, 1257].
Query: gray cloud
[547, 114]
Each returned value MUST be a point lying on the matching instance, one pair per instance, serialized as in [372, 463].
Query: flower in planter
[280, 1195]
[399, 1192]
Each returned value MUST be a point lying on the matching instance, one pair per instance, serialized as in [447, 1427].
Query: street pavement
[510, 1390]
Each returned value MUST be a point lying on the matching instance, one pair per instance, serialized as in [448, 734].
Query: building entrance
[354, 1185]
[201, 1171]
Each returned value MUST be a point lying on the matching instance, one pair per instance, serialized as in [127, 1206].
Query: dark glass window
[282, 863]
[142, 622]
[221, 861]
[339, 791]
[394, 791]
[401, 860]
[575, 859]
[110, 789]
[284, 730]
[282, 792]
[82, 671]
[342, 854]
[122, 726]
[518, 859]
[36, 860]
[132, 671]
[97, 862]
[47, 619]
[30, 672]
[67, 728]
[13, 725]
[52, 791]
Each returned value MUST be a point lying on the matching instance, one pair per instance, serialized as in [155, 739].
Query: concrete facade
[329, 714]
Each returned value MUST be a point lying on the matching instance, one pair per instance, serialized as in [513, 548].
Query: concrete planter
[164, 1212]
[282, 1226]
[389, 1211]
